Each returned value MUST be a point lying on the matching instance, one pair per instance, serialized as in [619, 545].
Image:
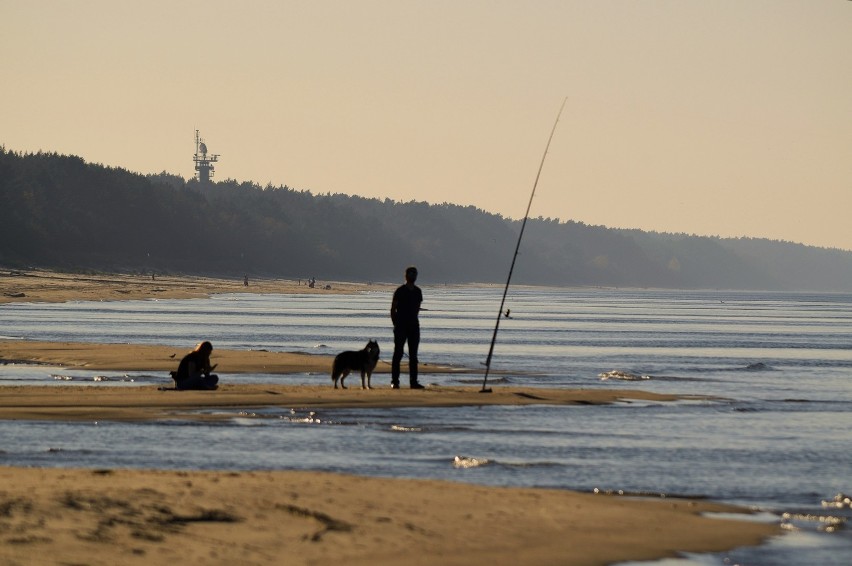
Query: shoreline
[110, 516]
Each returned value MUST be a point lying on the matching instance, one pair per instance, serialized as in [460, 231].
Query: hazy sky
[713, 117]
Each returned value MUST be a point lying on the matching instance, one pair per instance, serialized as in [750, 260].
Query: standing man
[405, 309]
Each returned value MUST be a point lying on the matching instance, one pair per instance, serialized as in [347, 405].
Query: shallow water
[778, 439]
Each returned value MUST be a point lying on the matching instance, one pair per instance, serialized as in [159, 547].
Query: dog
[361, 360]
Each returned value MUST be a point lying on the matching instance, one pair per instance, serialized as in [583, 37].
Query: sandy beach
[111, 516]
[50, 286]
[62, 516]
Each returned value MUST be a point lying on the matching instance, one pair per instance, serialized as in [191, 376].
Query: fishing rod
[500, 311]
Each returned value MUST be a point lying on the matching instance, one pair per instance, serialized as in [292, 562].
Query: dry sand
[71, 516]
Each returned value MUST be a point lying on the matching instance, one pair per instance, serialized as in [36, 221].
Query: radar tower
[203, 161]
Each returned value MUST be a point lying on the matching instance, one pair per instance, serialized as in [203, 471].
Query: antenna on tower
[203, 161]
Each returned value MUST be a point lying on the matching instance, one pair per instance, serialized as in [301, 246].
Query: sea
[772, 431]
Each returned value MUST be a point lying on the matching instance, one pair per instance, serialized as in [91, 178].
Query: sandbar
[97, 403]
[74, 402]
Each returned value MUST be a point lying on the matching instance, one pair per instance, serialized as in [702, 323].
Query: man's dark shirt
[407, 303]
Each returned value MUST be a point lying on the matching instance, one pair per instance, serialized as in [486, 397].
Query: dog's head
[373, 348]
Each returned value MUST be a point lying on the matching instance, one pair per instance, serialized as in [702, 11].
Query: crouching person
[194, 369]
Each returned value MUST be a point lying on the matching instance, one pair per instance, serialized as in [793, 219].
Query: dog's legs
[369, 375]
[342, 375]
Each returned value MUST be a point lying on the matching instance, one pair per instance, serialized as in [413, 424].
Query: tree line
[59, 211]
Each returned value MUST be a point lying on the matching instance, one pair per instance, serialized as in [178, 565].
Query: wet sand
[74, 516]
[98, 403]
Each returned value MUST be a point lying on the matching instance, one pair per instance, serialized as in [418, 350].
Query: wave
[639, 493]
[99, 378]
[757, 366]
[840, 501]
[468, 462]
[622, 375]
[401, 428]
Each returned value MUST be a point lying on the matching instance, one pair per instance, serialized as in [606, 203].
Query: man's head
[410, 274]
[204, 347]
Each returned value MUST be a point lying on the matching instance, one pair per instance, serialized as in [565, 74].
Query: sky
[712, 117]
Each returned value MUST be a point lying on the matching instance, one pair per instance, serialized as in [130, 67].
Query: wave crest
[623, 375]
[467, 462]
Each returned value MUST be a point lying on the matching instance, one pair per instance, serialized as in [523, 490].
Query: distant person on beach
[194, 369]
[404, 312]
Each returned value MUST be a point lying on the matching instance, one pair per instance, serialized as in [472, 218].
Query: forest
[60, 212]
